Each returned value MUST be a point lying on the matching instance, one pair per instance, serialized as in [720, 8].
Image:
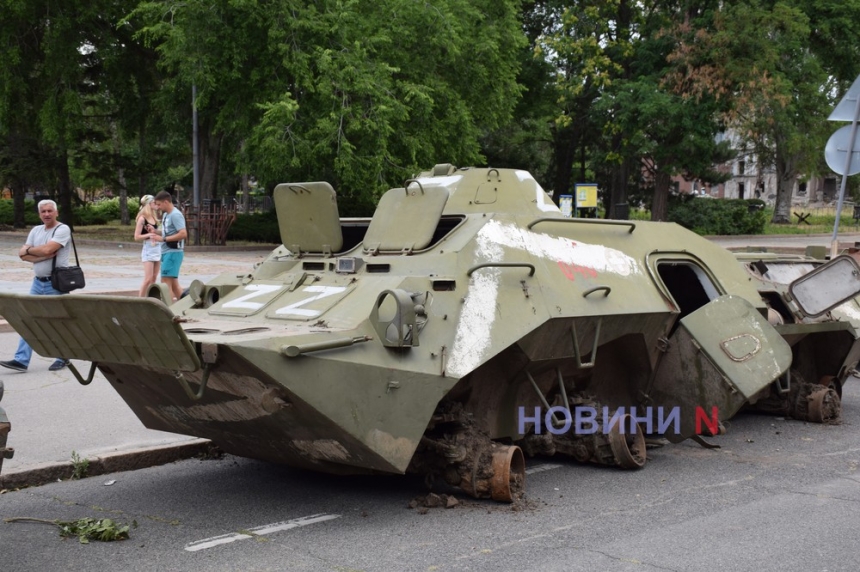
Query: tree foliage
[771, 64]
[718, 217]
[361, 93]
[97, 95]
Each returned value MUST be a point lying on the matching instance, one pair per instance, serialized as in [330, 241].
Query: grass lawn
[820, 220]
[112, 232]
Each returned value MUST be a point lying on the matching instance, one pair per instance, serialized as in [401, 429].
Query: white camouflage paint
[849, 310]
[479, 311]
[594, 256]
[542, 200]
[449, 182]
[474, 329]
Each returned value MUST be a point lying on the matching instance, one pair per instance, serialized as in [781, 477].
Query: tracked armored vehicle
[466, 322]
[823, 337]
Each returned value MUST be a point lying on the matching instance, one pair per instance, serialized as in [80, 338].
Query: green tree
[357, 92]
[71, 86]
[664, 130]
[834, 36]
[615, 103]
[527, 140]
[759, 55]
[215, 47]
[669, 136]
[589, 45]
[40, 71]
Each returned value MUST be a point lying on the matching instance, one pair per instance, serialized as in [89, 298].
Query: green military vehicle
[466, 322]
[823, 338]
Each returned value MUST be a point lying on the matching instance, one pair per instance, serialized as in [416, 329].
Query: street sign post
[844, 141]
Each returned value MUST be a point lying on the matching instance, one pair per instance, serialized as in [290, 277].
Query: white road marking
[295, 523]
[258, 531]
[542, 468]
[215, 541]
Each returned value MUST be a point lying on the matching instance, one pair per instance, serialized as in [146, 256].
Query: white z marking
[324, 292]
[254, 291]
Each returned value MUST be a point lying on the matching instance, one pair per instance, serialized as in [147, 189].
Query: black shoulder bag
[67, 278]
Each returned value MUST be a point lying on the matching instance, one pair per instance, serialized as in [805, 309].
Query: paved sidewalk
[52, 415]
[116, 267]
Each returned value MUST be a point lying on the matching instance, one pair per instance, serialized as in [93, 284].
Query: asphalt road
[778, 495]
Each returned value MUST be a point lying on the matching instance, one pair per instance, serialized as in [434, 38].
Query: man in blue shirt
[173, 235]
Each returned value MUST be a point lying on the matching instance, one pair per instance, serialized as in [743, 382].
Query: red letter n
[712, 424]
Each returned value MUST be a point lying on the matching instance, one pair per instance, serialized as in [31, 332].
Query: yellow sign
[586, 195]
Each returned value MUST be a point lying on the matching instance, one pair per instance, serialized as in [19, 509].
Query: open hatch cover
[827, 286]
[723, 354]
[105, 329]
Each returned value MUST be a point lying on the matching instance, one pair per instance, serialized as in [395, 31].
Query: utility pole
[844, 141]
[196, 168]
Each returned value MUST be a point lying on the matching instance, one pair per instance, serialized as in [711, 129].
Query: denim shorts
[150, 252]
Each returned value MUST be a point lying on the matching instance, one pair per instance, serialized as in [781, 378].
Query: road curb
[111, 463]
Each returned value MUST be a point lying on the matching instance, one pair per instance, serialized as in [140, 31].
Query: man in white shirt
[45, 242]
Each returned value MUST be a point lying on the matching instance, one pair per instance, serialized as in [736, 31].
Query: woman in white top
[146, 227]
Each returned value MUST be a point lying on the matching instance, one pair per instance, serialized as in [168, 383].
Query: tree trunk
[618, 189]
[246, 194]
[65, 189]
[18, 192]
[785, 176]
[123, 198]
[660, 204]
[141, 180]
[210, 155]
[120, 175]
[564, 149]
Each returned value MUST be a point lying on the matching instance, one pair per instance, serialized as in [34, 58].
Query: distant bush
[7, 213]
[88, 216]
[718, 216]
[98, 213]
[348, 206]
[104, 211]
[258, 227]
